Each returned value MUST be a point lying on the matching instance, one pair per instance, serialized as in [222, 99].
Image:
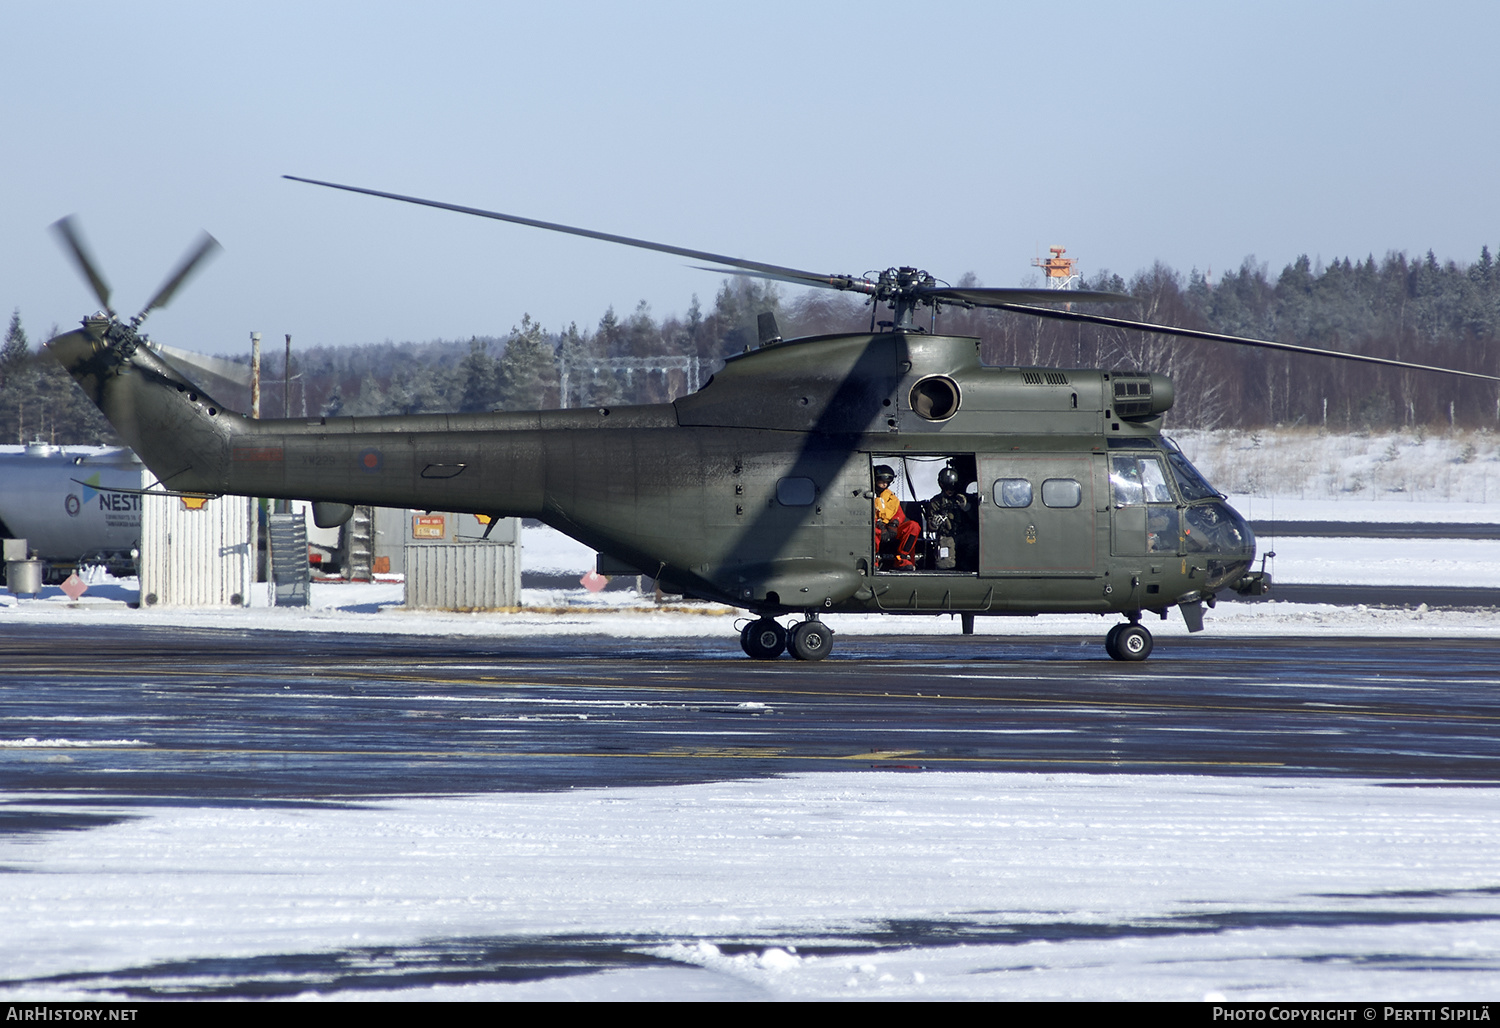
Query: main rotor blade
[1219, 337]
[773, 270]
[842, 282]
[72, 240]
[970, 297]
[206, 247]
[999, 297]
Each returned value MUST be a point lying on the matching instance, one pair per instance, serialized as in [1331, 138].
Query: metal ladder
[287, 534]
[358, 542]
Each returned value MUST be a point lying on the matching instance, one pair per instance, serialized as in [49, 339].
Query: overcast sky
[830, 137]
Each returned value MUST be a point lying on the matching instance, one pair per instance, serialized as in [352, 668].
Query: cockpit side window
[1125, 481]
[1138, 479]
[1154, 482]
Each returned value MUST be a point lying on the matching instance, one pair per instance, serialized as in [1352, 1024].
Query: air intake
[1140, 396]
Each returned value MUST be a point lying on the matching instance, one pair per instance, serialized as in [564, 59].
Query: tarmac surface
[97, 722]
[1375, 529]
[1434, 597]
[210, 716]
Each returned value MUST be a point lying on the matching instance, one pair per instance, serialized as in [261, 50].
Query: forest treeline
[1421, 310]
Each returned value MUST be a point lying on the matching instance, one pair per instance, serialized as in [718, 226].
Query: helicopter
[765, 489]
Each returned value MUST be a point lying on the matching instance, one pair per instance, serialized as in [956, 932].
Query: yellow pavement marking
[682, 753]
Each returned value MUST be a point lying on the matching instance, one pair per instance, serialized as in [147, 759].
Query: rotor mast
[899, 288]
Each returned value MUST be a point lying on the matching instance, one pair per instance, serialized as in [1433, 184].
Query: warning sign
[427, 526]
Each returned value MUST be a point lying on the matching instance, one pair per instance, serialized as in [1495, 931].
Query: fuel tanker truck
[74, 505]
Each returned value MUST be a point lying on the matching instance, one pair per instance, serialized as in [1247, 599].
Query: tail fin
[180, 432]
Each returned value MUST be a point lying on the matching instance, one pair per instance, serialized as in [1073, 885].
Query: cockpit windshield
[1190, 483]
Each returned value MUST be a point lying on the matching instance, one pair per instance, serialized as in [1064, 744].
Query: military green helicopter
[766, 488]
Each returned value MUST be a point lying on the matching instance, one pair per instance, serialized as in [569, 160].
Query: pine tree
[479, 378]
[528, 369]
[17, 349]
[609, 337]
[585, 388]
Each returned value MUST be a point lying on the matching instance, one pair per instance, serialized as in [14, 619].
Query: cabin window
[796, 492]
[935, 398]
[1062, 492]
[1012, 492]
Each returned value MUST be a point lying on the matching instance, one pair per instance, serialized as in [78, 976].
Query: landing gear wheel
[811, 640]
[1109, 641]
[1129, 642]
[763, 639]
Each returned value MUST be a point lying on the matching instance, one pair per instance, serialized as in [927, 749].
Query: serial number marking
[256, 453]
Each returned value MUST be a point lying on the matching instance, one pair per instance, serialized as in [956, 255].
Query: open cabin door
[942, 522]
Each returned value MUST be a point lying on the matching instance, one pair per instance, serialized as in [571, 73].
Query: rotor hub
[899, 283]
[903, 289]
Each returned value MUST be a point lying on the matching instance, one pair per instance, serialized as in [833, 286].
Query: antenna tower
[1058, 269]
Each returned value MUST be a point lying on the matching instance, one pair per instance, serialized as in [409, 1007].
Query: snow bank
[956, 886]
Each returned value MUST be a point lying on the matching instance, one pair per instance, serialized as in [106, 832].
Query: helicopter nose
[1216, 531]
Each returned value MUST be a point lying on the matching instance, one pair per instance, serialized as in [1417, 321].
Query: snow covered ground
[1352, 477]
[956, 886]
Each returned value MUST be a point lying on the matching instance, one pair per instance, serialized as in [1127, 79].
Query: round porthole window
[935, 398]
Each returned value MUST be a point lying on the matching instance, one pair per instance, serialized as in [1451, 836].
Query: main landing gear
[764, 639]
[1128, 642]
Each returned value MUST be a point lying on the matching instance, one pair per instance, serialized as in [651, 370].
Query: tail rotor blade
[72, 241]
[206, 247]
[219, 367]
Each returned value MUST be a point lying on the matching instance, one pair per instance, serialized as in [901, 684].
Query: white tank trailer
[74, 505]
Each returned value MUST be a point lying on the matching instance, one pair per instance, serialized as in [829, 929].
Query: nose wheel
[1128, 642]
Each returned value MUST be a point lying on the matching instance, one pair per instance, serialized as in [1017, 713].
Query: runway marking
[684, 753]
[1104, 706]
[714, 751]
[554, 679]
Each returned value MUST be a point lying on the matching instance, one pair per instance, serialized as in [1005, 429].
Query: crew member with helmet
[896, 535]
[946, 519]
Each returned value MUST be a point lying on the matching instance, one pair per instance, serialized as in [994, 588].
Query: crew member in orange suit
[896, 535]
